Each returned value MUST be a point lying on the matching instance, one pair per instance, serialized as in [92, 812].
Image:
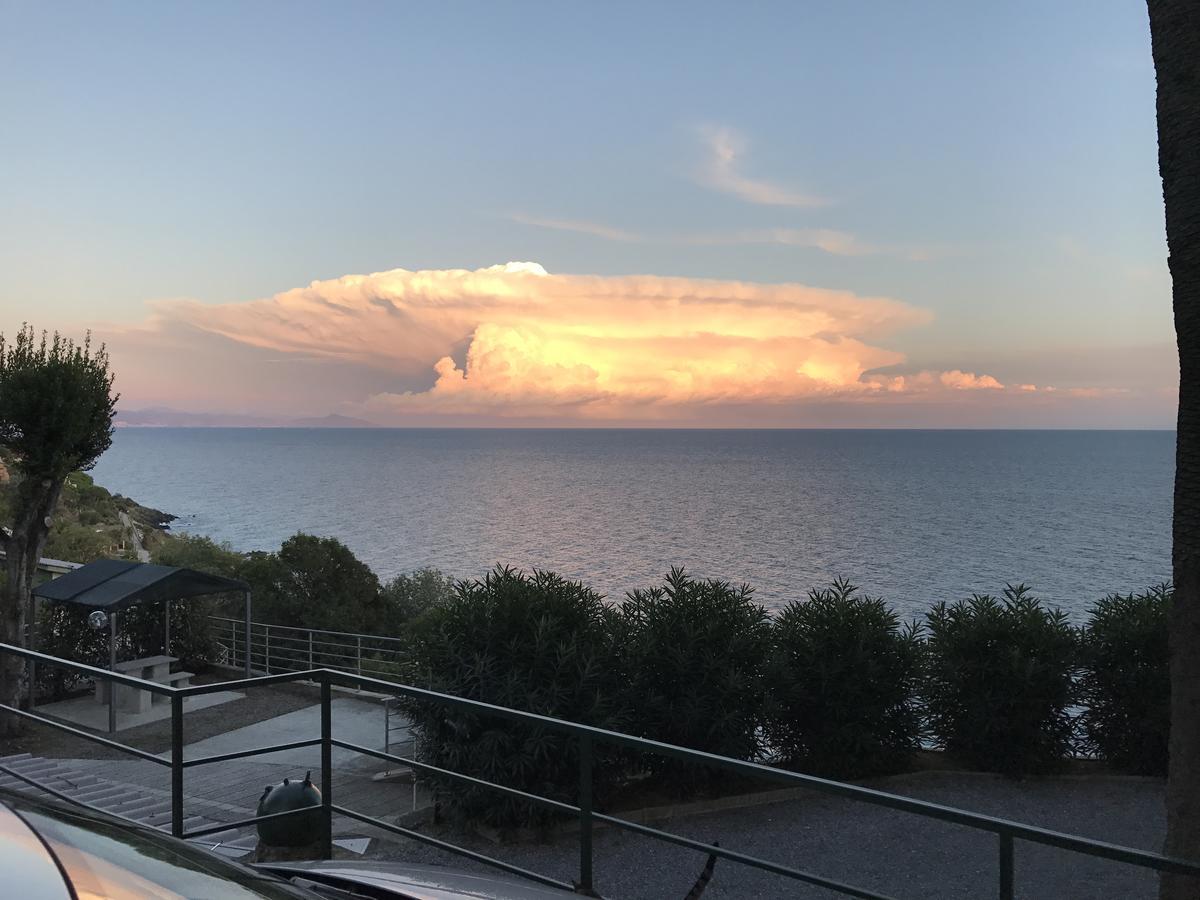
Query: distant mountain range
[163, 417]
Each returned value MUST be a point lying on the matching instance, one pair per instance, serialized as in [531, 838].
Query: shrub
[407, 597]
[1000, 682]
[842, 684]
[194, 551]
[63, 631]
[313, 582]
[537, 643]
[1125, 681]
[695, 656]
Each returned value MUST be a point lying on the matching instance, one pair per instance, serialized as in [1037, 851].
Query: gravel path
[891, 852]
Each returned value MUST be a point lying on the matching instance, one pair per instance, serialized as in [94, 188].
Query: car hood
[423, 882]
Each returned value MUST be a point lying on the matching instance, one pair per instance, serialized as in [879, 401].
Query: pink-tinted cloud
[516, 343]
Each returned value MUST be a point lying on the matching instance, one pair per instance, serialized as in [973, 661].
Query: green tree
[195, 551]
[1175, 41]
[1125, 680]
[406, 598]
[56, 410]
[537, 643]
[842, 684]
[314, 582]
[999, 682]
[695, 655]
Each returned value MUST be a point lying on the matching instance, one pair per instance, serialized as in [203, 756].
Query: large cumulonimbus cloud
[514, 340]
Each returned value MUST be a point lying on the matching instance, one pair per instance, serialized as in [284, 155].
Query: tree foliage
[842, 684]
[314, 582]
[694, 660]
[1125, 681]
[56, 404]
[406, 598]
[1000, 682]
[56, 409]
[537, 643]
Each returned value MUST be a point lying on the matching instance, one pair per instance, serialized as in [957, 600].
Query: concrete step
[16, 757]
[99, 793]
[121, 797]
[32, 767]
[142, 808]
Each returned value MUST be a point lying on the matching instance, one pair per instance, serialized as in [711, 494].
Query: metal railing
[1008, 833]
[288, 648]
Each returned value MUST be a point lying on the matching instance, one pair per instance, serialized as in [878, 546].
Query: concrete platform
[87, 712]
[355, 720]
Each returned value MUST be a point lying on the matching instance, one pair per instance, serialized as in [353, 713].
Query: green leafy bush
[408, 597]
[842, 685]
[314, 582]
[537, 643]
[63, 631]
[1000, 681]
[1125, 681]
[695, 656]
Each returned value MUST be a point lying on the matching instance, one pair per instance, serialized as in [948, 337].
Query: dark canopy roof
[113, 584]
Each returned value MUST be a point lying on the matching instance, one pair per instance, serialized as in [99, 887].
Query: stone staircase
[145, 805]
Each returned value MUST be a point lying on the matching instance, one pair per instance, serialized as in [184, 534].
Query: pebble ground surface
[893, 853]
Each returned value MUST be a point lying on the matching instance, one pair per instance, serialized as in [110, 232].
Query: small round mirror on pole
[98, 619]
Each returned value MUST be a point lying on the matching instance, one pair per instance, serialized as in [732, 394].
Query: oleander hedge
[834, 684]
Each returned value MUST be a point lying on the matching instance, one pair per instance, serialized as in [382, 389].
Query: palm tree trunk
[1175, 38]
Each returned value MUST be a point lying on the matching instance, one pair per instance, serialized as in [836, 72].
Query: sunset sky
[855, 214]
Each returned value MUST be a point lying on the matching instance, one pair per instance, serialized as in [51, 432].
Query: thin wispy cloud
[722, 171]
[593, 228]
[827, 240]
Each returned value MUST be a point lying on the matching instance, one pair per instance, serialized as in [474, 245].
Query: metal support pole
[326, 771]
[1006, 866]
[167, 628]
[33, 645]
[177, 765]
[112, 667]
[358, 665]
[247, 634]
[310, 653]
[585, 814]
[267, 649]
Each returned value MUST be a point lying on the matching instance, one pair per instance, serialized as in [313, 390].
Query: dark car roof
[29, 867]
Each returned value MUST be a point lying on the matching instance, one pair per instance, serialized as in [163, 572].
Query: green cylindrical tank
[294, 831]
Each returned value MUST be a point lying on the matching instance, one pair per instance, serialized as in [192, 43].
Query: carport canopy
[111, 585]
[114, 584]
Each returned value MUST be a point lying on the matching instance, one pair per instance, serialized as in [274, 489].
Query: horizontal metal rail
[1007, 831]
[241, 754]
[454, 848]
[242, 823]
[86, 735]
[535, 799]
[59, 795]
[240, 623]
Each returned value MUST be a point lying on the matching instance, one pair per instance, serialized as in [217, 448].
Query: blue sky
[993, 165]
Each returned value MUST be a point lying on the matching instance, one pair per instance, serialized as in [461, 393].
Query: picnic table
[149, 668]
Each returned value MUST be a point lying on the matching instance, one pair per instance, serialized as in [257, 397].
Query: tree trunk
[1175, 37]
[23, 549]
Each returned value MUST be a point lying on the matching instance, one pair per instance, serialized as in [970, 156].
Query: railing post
[112, 666]
[177, 765]
[267, 649]
[585, 814]
[326, 771]
[358, 660]
[1006, 866]
[310, 653]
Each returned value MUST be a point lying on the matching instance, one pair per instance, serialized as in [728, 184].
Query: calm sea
[917, 516]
